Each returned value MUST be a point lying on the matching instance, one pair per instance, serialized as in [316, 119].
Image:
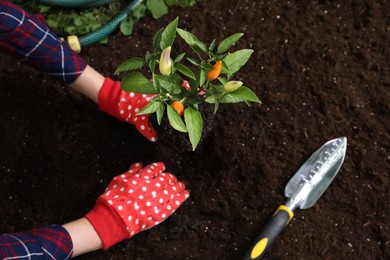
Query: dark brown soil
[321, 69]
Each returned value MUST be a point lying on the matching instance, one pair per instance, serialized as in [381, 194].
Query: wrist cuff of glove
[109, 97]
[107, 224]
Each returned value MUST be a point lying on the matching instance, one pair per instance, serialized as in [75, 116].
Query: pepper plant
[181, 84]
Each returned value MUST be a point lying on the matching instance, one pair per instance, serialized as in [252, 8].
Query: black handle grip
[274, 227]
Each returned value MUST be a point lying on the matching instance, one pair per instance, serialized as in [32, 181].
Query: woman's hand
[125, 105]
[135, 201]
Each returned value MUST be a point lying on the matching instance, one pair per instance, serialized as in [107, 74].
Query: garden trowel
[302, 191]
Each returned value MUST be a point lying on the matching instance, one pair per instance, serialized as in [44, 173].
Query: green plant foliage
[193, 120]
[158, 8]
[81, 21]
[73, 21]
[188, 82]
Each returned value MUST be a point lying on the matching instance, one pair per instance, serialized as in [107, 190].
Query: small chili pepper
[186, 85]
[201, 92]
[232, 85]
[178, 106]
[214, 73]
[166, 63]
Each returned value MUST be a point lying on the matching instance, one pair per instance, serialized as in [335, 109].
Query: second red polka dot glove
[135, 201]
[125, 105]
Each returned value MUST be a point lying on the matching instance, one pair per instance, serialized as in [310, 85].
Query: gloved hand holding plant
[124, 106]
[180, 88]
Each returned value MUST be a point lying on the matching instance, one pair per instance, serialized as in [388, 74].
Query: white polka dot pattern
[125, 105]
[144, 197]
[130, 103]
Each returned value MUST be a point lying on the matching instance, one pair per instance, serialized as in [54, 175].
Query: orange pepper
[214, 73]
[178, 106]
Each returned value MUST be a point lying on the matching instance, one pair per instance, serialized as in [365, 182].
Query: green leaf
[192, 41]
[182, 3]
[139, 12]
[171, 83]
[130, 64]
[104, 40]
[193, 101]
[126, 27]
[160, 113]
[202, 77]
[157, 40]
[138, 83]
[246, 94]
[216, 107]
[184, 70]
[194, 61]
[222, 80]
[78, 21]
[157, 7]
[194, 123]
[152, 64]
[215, 89]
[170, 2]
[169, 33]
[175, 120]
[153, 106]
[234, 61]
[228, 42]
[239, 95]
[212, 99]
[148, 57]
[43, 8]
[180, 57]
[230, 98]
[212, 45]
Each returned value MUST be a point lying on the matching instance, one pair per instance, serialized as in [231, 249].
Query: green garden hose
[93, 37]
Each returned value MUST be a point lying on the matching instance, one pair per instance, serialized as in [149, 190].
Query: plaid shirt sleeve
[28, 37]
[51, 242]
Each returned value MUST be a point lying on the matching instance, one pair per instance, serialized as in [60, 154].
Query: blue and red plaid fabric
[51, 242]
[28, 37]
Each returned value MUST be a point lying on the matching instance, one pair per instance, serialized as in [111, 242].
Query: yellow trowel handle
[274, 227]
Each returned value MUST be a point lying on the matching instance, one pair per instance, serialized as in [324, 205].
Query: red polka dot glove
[135, 201]
[124, 106]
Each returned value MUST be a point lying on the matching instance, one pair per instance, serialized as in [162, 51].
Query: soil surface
[322, 71]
